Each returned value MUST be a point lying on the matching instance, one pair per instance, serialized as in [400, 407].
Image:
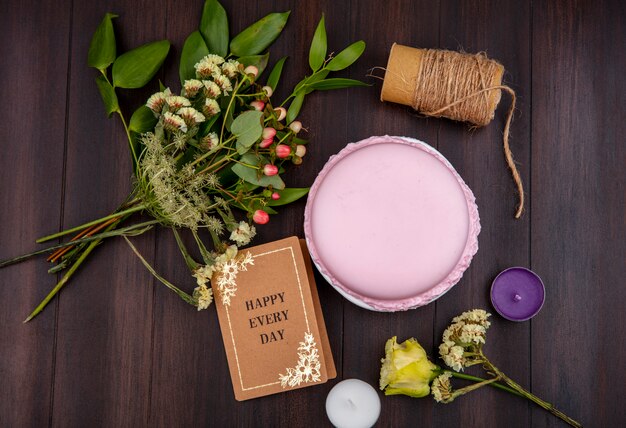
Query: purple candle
[517, 294]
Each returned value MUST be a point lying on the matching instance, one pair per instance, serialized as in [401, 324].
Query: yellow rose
[406, 369]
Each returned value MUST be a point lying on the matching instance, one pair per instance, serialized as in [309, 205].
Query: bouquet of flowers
[406, 369]
[205, 154]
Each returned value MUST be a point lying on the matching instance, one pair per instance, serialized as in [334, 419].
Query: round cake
[390, 224]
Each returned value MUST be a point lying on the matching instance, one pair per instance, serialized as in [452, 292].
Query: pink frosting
[390, 222]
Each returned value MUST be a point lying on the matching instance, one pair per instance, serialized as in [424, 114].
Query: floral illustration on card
[308, 367]
[226, 277]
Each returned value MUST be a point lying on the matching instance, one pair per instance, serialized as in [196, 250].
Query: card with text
[272, 325]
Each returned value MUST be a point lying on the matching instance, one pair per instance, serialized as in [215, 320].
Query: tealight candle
[353, 403]
[517, 294]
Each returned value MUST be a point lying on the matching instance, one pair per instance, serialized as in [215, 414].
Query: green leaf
[142, 120]
[135, 68]
[294, 108]
[259, 61]
[288, 196]
[102, 47]
[194, 50]
[254, 175]
[272, 81]
[247, 127]
[214, 27]
[305, 83]
[317, 53]
[336, 83]
[257, 37]
[347, 56]
[107, 92]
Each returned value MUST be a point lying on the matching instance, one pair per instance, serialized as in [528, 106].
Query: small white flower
[211, 90]
[472, 333]
[215, 225]
[223, 82]
[211, 107]
[204, 296]
[229, 254]
[454, 358]
[213, 59]
[176, 102]
[191, 116]
[157, 101]
[173, 123]
[243, 234]
[206, 69]
[441, 388]
[192, 87]
[230, 68]
[476, 316]
[210, 141]
[204, 274]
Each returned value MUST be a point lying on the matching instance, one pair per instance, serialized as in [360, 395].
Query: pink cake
[390, 224]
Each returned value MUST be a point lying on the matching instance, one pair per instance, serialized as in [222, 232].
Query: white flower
[210, 141]
[176, 102]
[208, 66]
[211, 90]
[454, 358]
[441, 388]
[191, 116]
[223, 82]
[157, 101]
[476, 316]
[229, 254]
[215, 225]
[230, 68]
[192, 87]
[203, 295]
[211, 107]
[472, 333]
[173, 123]
[203, 274]
[243, 234]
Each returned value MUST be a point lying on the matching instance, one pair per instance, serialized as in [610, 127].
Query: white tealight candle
[353, 403]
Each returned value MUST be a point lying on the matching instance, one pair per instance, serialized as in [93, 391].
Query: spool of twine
[458, 86]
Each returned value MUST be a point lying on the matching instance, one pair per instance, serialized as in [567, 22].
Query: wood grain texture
[118, 349]
[579, 210]
[34, 67]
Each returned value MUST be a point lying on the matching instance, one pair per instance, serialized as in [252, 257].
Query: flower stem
[67, 276]
[480, 379]
[186, 297]
[91, 223]
[191, 263]
[548, 406]
[106, 234]
[462, 391]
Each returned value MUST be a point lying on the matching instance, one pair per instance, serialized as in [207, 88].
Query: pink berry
[260, 217]
[251, 69]
[270, 170]
[295, 126]
[283, 151]
[266, 143]
[275, 196]
[258, 105]
[268, 133]
[300, 150]
[268, 90]
[281, 113]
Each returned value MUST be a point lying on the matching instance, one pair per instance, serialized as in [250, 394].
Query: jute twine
[456, 86]
[453, 85]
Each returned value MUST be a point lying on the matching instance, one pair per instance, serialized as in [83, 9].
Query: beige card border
[306, 318]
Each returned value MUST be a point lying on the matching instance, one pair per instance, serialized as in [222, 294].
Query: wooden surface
[118, 349]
